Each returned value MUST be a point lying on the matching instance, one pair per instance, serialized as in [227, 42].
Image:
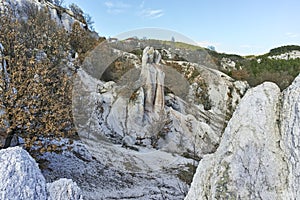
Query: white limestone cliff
[258, 155]
[290, 133]
[64, 17]
[151, 118]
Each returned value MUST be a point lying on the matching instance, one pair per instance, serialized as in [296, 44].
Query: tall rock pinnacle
[153, 79]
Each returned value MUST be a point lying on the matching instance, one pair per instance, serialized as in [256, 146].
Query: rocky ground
[119, 173]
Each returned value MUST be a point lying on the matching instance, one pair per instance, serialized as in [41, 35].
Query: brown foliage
[81, 40]
[35, 93]
[241, 74]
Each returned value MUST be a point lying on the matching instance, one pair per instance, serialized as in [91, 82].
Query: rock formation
[64, 17]
[258, 154]
[21, 178]
[153, 78]
[290, 135]
[63, 189]
[171, 123]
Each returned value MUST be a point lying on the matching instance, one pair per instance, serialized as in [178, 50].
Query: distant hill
[280, 65]
[283, 49]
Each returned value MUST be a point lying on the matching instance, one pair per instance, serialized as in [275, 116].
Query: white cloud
[291, 35]
[151, 13]
[116, 7]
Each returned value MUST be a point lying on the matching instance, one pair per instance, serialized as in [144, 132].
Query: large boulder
[249, 163]
[258, 157]
[63, 189]
[20, 177]
[290, 132]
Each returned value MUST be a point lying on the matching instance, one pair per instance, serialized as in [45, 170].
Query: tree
[212, 48]
[76, 10]
[173, 39]
[89, 21]
[58, 2]
[35, 92]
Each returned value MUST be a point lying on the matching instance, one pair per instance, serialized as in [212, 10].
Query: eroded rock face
[20, 177]
[153, 118]
[64, 19]
[290, 132]
[258, 155]
[63, 189]
[153, 78]
[136, 115]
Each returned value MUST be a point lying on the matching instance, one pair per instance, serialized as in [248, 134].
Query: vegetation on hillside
[253, 69]
[35, 79]
[258, 69]
[283, 49]
[282, 72]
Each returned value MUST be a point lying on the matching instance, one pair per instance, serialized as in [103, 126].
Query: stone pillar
[153, 79]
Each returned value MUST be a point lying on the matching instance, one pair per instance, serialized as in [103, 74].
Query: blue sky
[232, 26]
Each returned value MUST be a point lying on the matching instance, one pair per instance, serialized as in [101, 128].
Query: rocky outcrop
[63, 189]
[290, 133]
[227, 64]
[21, 178]
[153, 78]
[286, 56]
[142, 109]
[258, 154]
[62, 16]
[135, 114]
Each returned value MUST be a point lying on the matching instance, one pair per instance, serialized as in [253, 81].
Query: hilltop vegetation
[283, 49]
[282, 72]
[258, 69]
